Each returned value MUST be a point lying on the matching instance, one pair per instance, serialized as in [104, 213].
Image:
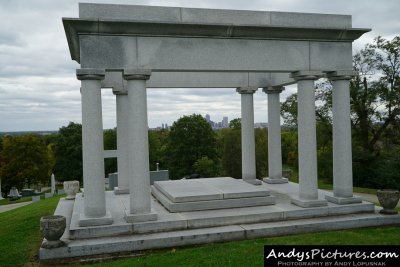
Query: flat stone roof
[125, 20]
[211, 16]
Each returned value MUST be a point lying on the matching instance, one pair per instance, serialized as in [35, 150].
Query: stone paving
[4, 208]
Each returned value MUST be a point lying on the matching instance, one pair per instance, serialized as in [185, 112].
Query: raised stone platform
[216, 225]
[209, 193]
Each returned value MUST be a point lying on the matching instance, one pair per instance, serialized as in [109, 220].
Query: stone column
[53, 184]
[307, 140]
[138, 146]
[1, 194]
[122, 102]
[248, 142]
[274, 136]
[92, 149]
[341, 131]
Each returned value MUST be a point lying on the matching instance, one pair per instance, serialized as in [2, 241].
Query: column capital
[273, 89]
[341, 75]
[246, 89]
[90, 74]
[119, 91]
[136, 74]
[306, 75]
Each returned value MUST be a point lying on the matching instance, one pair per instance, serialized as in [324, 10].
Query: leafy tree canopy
[26, 160]
[190, 139]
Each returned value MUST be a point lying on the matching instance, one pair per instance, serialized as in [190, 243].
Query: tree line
[192, 148]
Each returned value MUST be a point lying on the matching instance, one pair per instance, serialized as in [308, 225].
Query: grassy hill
[20, 240]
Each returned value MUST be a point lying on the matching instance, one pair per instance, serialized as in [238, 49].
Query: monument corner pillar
[274, 136]
[307, 140]
[248, 139]
[94, 211]
[138, 146]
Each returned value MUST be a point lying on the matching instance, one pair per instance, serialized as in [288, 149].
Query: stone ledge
[145, 217]
[211, 204]
[342, 200]
[95, 221]
[97, 246]
[308, 203]
[281, 180]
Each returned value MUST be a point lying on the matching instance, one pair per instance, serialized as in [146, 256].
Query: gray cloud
[38, 88]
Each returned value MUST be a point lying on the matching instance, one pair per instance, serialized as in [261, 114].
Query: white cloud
[39, 91]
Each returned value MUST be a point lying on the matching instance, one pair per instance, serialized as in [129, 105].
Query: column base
[253, 181]
[281, 180]
[143, 217]
[119, 191]
[94, 221]
[308, 203]
[343, 200]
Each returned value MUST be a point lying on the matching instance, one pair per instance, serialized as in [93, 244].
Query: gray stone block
[282, 180]
[48, 195]
[112, 181]
[161, 175]
[234, 188]
[308, 203]
[131, 217]
[35, 198]
[187, 191]
[93, 221]
[211, 204]
[342, 200]
[60, 191]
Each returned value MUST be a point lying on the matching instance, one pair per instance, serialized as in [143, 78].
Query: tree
[68, 153]
[375, 97]
[375, 111]
[26, 160]
[190, 139]
[235, 123]
[231, 157]
[154, 149]
[205, 167]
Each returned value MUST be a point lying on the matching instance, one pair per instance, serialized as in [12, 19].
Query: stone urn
[52, 227]
[71, 188]
[388, 198]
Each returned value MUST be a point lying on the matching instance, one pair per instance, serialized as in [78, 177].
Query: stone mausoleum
[130, 49]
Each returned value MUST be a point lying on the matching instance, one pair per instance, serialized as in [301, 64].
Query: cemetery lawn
[20, 241]
[19, 232]
[22, 199]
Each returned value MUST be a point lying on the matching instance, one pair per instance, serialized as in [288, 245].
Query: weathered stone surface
[187, 191]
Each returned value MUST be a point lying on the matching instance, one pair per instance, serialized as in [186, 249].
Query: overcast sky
[39, 91]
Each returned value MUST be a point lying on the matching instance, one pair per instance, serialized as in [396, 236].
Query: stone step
[213, 218]
[210, 204]
[139, 242]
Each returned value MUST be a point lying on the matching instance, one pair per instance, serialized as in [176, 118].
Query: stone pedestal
[248, 142]
[139, 183]
[122, 141]
[274, 137]
[341, 128]
[308, 182]
[92, 148]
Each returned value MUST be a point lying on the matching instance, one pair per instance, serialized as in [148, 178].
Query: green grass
[19, 232]
[250, 252]
[322, 184]
[20, 240]
[22, 199]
